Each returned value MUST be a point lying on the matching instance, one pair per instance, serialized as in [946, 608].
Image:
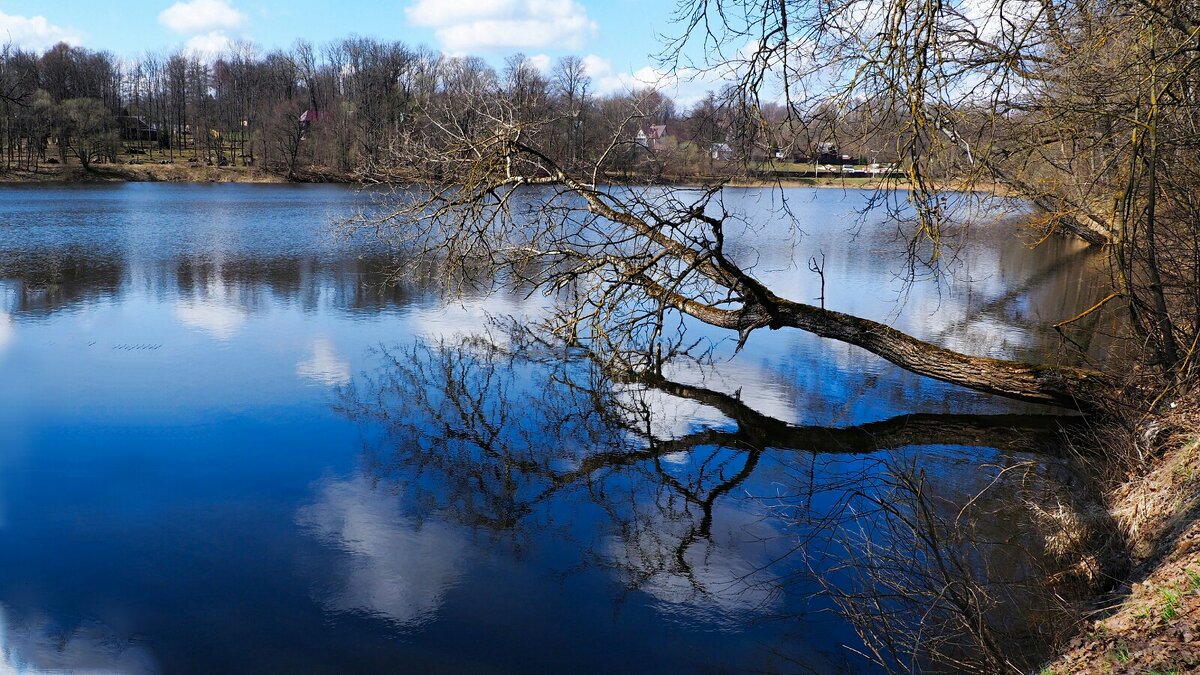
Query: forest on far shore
[336, 112]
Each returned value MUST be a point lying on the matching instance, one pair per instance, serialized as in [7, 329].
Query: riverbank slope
[1151, 622]
[192, 172]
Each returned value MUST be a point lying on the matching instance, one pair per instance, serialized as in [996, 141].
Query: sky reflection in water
[211, 461]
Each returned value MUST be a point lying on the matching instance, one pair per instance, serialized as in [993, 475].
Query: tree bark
[1064, 386]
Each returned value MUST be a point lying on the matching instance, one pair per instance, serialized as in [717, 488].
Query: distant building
[654, 138]
[828, 153]
[721, 152]
[657, 136]
[137, 129]
[310, 117]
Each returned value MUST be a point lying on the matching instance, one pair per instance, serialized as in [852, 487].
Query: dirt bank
[189, 172]
[153, 172]
[1151, 622]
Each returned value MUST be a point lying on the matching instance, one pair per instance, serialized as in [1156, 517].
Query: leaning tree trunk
[1064, 386]
[458, 189]
[1054, 385]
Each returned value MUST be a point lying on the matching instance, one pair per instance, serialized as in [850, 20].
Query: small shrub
[1170, 608]
[1121, 653]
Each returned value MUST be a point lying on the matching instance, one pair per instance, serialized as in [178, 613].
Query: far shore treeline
[334, 112]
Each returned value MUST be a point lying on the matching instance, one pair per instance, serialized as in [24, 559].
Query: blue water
[229, 444]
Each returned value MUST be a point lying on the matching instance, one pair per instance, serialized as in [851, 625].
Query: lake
[228, 444]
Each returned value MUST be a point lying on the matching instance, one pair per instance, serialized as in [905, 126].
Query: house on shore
[653, 137]
[135, 129]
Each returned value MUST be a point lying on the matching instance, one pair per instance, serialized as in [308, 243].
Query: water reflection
[268, 489]
[38, 644]
[324, 367]
[215, 317]
[393, 566]
[714, 574]
[738, 515]
[41, 282]
[6, 331]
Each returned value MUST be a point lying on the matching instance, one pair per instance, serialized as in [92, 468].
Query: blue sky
[617, 37]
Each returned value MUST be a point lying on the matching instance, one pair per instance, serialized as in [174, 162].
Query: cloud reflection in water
[222, 322]
[324, 366]
[38, 645]
[394, 567]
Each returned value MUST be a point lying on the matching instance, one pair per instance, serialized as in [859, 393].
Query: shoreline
[170, 173]
[1146, 623]
[200, 174]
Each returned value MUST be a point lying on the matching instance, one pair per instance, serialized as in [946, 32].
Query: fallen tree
[483, 199]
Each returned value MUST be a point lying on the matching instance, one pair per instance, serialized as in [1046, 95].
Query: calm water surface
[227, 446]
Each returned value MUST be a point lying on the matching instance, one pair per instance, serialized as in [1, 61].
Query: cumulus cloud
[608, 80]
[208, 45]
[542, 62]
[199, 16]
[218, 320]
[686, 86]
[35, 32]
[392, 566]
[478, 25]
[324, 366]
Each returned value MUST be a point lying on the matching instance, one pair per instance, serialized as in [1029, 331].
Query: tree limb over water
[484, 197]
[1084, 109]
[1020, 94]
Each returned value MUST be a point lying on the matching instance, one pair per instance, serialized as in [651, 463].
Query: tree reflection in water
[947, 541]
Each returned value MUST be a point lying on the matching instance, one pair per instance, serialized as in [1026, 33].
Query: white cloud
[542, 62]
[199, 16]
[686, 86]
[7, 333]
[40, 644]
[208, 45]
[220, 321]
[478, 25]
[608, 80]
[393, 566]
[324, 367]
[35, 32]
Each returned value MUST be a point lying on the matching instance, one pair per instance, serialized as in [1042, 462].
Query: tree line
[975, 92]
[340, 109]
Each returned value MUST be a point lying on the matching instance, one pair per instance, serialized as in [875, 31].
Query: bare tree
[87, 129]
[1084, 109]
[572, 86]
[624, 263]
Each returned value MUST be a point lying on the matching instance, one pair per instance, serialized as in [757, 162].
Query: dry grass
[1152, 623]
[179, 172]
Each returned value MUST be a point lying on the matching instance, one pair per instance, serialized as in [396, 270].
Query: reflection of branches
[951, 601]
[579, 421]
[960, 580]
[493, 437]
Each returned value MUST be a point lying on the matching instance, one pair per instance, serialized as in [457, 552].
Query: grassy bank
[182, 171]
[173, 173]
[1151, 622]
